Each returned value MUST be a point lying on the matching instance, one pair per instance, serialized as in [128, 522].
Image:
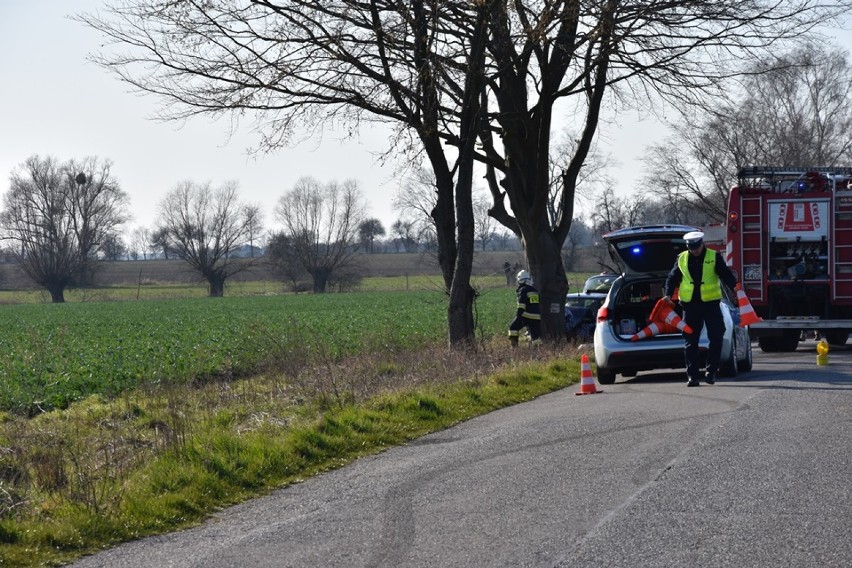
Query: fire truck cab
[789, 239]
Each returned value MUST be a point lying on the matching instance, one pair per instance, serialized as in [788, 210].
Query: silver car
[646, 254]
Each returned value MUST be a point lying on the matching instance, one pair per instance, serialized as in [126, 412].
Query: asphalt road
[755, 472]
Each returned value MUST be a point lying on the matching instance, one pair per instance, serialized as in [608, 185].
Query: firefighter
[528, 314]
[698, 272]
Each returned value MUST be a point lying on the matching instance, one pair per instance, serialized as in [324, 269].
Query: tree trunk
[460, 314]
[462, 294]
[321, 276]
[445, 223]
[543, 253]
[217, 285]
[57, 293]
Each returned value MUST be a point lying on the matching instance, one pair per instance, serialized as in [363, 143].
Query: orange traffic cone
[747, 314]
[587, 381]
[664, 313]
[650, 330]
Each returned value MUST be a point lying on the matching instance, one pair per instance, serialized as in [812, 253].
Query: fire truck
[789, 238]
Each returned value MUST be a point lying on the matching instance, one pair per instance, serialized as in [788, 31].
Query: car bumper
[619, 354]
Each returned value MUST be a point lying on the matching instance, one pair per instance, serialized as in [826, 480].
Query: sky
[53, 102]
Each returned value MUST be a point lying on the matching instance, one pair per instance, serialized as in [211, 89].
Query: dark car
[581, 310]
[647, 254]
[599, 283]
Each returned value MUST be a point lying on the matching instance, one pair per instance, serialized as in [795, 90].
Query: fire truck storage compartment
[800, 299]
[798, 260]
[633, 305]
[798, 240]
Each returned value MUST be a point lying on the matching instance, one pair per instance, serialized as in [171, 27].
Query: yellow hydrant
[822, 352]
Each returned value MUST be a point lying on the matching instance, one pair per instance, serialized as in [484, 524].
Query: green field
[56, 354]
[124, 418]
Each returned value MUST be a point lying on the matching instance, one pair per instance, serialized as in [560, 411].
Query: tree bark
[320, 277]
[545, 260]
[57, 293]
[217, 285]
[462, 294]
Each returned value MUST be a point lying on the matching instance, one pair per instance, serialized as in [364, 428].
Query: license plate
[751, 272]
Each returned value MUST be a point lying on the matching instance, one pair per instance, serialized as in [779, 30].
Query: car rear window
[649, 255]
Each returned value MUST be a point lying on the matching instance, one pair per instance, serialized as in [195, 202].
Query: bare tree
[612, 212]
[485, 224]
[593, 54]
[368, 230]
[61, 217]
[447, 73]
[415, 200]
[204, 227]
[140, 243]
[321, 225]
[404, 235]
[254, 226]
[114, 247]
[591, 180]
[794, 110]
[160, 241]
[283, 260]
[418, 65]
[580, 234]
[503, 240]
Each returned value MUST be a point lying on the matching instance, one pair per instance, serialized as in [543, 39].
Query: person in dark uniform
[698, 273]
[528, 314]
[507, 270]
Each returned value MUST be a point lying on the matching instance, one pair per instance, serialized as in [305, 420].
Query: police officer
[698, 272]
[528, 314]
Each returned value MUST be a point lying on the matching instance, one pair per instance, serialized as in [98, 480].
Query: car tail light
[603, 313]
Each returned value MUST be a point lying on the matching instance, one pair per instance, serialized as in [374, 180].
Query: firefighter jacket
[528, 305]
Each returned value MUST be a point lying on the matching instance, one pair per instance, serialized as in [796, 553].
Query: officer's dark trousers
[697, 315]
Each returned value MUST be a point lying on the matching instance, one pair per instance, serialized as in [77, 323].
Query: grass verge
[164, 457]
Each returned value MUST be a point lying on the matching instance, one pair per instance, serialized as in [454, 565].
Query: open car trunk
[631, 309]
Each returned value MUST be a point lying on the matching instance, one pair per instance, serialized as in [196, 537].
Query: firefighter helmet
[524, 277]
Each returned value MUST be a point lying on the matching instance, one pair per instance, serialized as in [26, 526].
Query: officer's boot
[513, 339]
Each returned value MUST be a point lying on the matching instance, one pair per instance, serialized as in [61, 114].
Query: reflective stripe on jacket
[528, 302]
[710, 286]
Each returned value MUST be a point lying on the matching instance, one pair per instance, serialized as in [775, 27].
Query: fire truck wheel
[769, 344]
[837, 336]
[787, 342]
[790, 341]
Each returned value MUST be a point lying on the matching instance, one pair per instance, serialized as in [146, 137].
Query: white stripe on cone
[747, 313]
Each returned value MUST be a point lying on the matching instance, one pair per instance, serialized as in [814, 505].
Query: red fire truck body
[789, 239]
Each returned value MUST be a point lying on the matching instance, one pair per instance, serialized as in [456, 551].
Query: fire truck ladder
[751, 223]
[841, 253]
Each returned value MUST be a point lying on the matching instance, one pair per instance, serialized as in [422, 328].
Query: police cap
[694, 239]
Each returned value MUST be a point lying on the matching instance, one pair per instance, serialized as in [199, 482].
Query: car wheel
[746, 363]
[606, 377]
[728, 368]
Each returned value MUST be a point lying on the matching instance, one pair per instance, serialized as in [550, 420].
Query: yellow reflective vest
[711, 289]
